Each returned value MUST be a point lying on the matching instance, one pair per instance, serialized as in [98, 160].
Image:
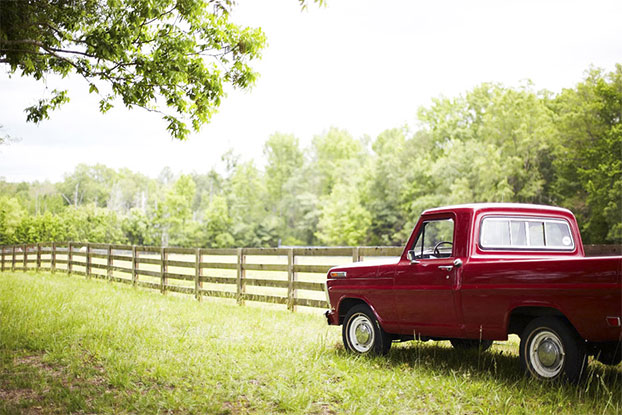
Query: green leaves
[181, 53]
[40, 111]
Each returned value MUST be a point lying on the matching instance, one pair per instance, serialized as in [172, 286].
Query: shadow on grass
[599, 382]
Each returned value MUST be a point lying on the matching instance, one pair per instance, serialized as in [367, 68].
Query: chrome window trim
[526, 219]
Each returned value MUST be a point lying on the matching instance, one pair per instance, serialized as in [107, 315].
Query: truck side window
[525, 233]
[435, 239]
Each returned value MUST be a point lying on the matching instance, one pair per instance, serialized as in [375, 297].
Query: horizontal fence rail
[289, 276]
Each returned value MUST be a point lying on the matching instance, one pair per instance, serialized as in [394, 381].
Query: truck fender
[519, 316]
[347, 302]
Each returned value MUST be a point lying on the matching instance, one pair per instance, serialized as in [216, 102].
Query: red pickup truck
[476, 273]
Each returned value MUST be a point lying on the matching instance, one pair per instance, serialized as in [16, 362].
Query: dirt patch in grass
[26, 386]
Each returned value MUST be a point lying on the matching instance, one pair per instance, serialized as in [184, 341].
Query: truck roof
[475, 207]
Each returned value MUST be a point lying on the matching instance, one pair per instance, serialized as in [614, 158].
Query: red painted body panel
[476, 300]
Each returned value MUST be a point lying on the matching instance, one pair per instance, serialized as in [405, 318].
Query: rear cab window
[525, 233]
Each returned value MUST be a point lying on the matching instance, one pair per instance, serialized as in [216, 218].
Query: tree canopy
[169, 56]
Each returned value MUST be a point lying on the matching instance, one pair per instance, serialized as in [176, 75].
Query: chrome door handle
[446, 267]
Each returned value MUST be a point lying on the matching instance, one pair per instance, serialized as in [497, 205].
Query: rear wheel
[550, 349]
[471, 344]
[362, 333]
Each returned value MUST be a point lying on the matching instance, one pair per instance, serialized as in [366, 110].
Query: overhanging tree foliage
[169, 56]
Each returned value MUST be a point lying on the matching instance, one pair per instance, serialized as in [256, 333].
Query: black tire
[550, 349]
[362, 333]
[609, 354]
[471, 344]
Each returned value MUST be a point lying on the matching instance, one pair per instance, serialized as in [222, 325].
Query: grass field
[71, 345]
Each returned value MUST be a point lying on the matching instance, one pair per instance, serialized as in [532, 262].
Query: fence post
[291, 281]
[134, 265]
[2, 248]
[38, 256]
[109, 263]
[13, 258]
[356, 256]
[198, 284]
[241, 283]
[163, 270]
[69, 259]
[88, 260]
[25, 250]
[53, 258]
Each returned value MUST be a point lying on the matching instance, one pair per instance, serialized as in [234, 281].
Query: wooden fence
[290, 276]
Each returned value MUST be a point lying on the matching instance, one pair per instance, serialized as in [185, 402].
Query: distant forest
[491, 144]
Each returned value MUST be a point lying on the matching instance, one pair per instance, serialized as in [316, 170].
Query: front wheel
[551, 350]
[362, 333]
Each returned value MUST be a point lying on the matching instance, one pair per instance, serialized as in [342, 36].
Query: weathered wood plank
[180, 264]
[134, 265]
[219, 280]
[266, 267]
[309, 286]
[163, 270]
[317, 269]
[121, 257]
[99, 266]
[152, 261]
[219, 251]
[155, 274]
[197, 274]
[121, 269]
[306, 302]
[256, 282]
[218, 265]
[241, 286]
[266, 251]
[175, 276]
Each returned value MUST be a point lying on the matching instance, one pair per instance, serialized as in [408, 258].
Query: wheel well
[346, 304]
[521, 316]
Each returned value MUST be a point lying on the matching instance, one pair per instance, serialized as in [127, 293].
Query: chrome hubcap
[361, 333]
[546, 354]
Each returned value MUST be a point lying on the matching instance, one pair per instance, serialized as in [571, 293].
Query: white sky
[362, 65]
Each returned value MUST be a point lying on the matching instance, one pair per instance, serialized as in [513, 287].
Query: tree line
[491, 144]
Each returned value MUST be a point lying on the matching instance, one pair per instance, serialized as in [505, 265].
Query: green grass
[71, 345]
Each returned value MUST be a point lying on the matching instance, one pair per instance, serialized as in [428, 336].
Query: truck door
[424, 294]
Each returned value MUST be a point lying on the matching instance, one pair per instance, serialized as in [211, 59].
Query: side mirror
[412, 257]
